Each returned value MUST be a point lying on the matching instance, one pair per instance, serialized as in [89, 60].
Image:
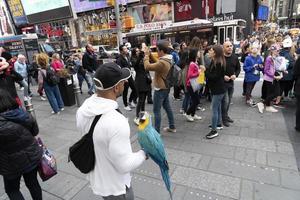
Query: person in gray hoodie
[113, 152]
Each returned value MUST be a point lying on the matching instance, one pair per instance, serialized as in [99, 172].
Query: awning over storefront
[176, 26]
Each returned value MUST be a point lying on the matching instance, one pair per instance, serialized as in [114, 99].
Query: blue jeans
[226, 102]
[216, 104]
[161, 99]
[90, 77]
[186, 101]
[82, 78]
[54, 97]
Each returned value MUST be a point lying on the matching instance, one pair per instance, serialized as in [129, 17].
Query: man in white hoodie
[114, 157]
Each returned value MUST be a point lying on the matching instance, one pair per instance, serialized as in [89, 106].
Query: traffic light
[111, 2]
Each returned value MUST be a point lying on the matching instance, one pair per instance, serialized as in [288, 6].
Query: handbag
[148, 78]
[47, 167]
[201, 78]
[195, 85]
[82, 153]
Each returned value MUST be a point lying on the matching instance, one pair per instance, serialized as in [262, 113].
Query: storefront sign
[151, 13]
[221, 18]
[17, 12]
[152, 26]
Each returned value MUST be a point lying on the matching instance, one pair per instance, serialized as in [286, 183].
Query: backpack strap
[95, 121]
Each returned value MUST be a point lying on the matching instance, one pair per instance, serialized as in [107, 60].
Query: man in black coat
[124, 62]
[89, 63]
[233, 69]
[297, 92]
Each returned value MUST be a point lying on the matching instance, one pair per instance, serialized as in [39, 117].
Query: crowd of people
[192, 73]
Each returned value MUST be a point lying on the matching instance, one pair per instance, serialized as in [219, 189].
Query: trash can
[66, 90]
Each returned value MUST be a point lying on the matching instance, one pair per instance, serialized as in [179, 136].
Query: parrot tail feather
[166, 178]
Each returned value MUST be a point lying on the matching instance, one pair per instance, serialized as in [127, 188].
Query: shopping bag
[201, 78]
[195, 85]
[47, 167]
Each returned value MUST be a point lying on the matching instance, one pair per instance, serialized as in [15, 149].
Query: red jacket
[193, 72]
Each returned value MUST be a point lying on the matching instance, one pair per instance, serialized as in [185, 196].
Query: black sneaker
[230, 120]
[212, 134]
[226, 124]
[219, 127]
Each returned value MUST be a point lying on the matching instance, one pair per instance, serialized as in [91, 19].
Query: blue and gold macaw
[152, 144]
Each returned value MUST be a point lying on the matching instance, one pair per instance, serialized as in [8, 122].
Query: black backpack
[172, 76]
[51, 78]
[82, 153]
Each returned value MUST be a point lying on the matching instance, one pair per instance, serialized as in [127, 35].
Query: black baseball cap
[109, 75]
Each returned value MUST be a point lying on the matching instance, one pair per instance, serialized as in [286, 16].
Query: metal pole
[29, 107]
[118, 23]
[76, 89]
[206, 9]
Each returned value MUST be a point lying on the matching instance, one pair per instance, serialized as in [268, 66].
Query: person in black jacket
[215, 76]
[233, 69]
[20, 153]
[89, 63]
[143, 81]
[8, 78]
[296, 74]
[124, 62]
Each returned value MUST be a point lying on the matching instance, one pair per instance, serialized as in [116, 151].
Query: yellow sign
[16, 8]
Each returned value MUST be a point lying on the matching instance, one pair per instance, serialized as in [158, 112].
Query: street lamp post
[118, 23]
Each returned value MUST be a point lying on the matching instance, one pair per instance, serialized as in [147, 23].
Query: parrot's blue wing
[151, 142]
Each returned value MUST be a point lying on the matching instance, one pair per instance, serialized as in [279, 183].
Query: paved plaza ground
[254, 159]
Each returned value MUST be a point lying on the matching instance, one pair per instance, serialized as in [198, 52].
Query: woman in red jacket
[57, 64]
[193, 72]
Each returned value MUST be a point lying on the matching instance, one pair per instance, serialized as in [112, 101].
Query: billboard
[151, 13]
[17, 12]
[38, 11]
[5, 23]
[263, 13]
[87, 5]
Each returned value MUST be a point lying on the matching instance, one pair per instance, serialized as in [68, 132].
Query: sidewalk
[254, 159]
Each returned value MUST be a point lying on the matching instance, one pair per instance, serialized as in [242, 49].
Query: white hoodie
[114, 156]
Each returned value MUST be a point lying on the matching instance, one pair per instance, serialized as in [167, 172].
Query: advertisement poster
[225, 6]
[87, 5]
[17, 12]
[38, 11]
[5, 24]
[183, 10]
[151, 13]
[155, 1]
[210, 7]
[37, 6]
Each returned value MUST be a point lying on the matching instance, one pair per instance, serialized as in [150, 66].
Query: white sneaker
[181, 111]
[189, 118]
[261, 107]
[196, 117]
[132, 104]
[271, 109]
[127, 108]
[62, 109]
[43, 98]
[201, 108]
[136, 121]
